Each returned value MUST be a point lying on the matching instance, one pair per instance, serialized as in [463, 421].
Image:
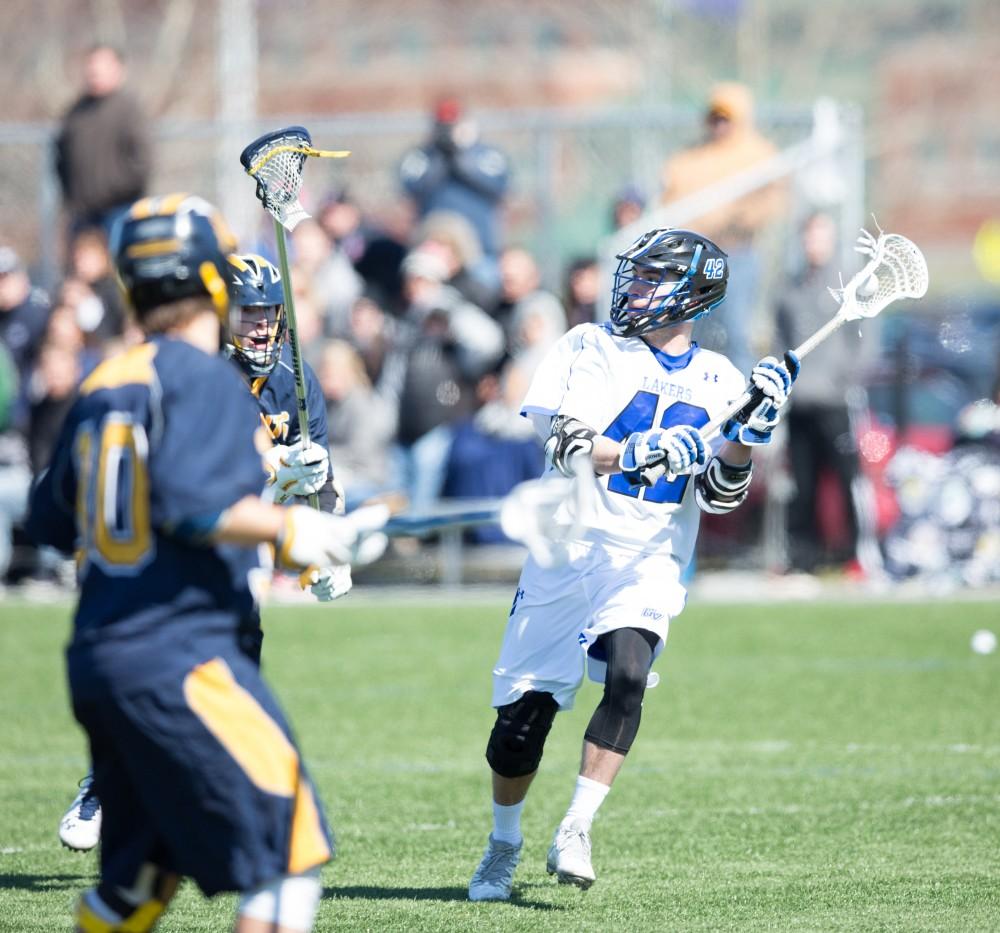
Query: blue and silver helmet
[667, 276]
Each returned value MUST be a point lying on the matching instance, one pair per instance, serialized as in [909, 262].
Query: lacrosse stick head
[527, 516]
[276, 161]
[535, 513]
[371, 541]
[896, 269]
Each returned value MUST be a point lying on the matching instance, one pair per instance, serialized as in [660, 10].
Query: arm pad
[567, 438]
[721, 488]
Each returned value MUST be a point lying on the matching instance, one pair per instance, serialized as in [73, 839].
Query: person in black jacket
[444, 344]
[103, 151]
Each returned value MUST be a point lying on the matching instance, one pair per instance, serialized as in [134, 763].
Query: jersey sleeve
[571, 380]
[51, 516]
[204, 459]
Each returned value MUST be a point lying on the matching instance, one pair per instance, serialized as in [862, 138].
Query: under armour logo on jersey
[277, 425]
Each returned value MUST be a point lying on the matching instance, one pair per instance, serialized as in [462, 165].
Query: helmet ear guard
[645, 269]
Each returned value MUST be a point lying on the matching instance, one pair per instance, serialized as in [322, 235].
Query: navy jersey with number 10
[158, 444]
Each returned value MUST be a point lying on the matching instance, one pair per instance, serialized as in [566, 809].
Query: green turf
[827, 767]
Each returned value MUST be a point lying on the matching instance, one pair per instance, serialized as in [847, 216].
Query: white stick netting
[897, 269]
[277, 167]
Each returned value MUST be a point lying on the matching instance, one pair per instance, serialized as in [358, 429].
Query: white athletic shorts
[558, 613]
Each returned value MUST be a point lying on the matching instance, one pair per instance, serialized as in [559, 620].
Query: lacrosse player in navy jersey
[154, 484]
[258, 328]
[624, 399]
[256, 341]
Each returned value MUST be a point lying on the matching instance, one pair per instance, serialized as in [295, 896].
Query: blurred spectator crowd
[424, 331]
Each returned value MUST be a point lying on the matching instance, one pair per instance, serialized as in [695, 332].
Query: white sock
[507, 822]
[587, 799]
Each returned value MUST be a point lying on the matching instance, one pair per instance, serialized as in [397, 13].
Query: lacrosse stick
[531, 513]
[527, 514]
[276, 161]
[896, 269]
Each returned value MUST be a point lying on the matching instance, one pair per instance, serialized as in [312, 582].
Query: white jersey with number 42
[617, 385]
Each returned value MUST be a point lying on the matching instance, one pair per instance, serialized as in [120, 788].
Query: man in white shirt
[625, 399]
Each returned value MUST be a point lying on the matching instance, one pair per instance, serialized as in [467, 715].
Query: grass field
[822, 767]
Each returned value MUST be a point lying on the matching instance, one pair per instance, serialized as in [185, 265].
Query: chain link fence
[567, 166]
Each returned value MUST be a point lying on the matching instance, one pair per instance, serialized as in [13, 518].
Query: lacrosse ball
[868, 287]
[984, 642]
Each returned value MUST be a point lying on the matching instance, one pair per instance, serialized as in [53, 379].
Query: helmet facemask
[257, 333]
[645, 296]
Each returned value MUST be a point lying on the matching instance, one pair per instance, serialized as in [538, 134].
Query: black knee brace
[629, 654]
[518, 736]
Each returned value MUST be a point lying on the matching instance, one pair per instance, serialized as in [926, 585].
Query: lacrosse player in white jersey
[624, 399]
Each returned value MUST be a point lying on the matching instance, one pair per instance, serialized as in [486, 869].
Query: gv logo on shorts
[652, 614]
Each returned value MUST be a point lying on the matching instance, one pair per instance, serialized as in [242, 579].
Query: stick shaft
[810, 343]
[404, 525]
[753, 397]
[293, 340]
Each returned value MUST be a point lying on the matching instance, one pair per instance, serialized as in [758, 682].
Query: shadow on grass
[374, 893]
[46, 882]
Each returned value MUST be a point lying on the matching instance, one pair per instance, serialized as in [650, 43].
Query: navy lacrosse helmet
[257, 320]
[172, 247]
[666, 276]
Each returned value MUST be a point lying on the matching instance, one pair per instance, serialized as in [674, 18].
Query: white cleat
[80, 827]
[569, 856]
[494, 878]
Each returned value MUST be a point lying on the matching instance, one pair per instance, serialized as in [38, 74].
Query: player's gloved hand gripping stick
[896, 269]
[276, 161]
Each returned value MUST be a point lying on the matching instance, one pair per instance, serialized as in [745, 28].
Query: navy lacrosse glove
[771, 383]
[649, 455]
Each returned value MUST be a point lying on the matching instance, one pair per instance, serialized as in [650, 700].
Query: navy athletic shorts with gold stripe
[200, 775]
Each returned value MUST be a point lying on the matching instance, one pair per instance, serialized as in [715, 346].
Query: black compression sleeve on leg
[616, 720]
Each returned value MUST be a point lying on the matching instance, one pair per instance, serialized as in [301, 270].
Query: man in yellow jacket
[733, 145]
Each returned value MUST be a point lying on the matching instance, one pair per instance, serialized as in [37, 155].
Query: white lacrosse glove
[327, 583]
[774, 380]
[314, 539]
[297, 470]
[649, 455]
[340, 501]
